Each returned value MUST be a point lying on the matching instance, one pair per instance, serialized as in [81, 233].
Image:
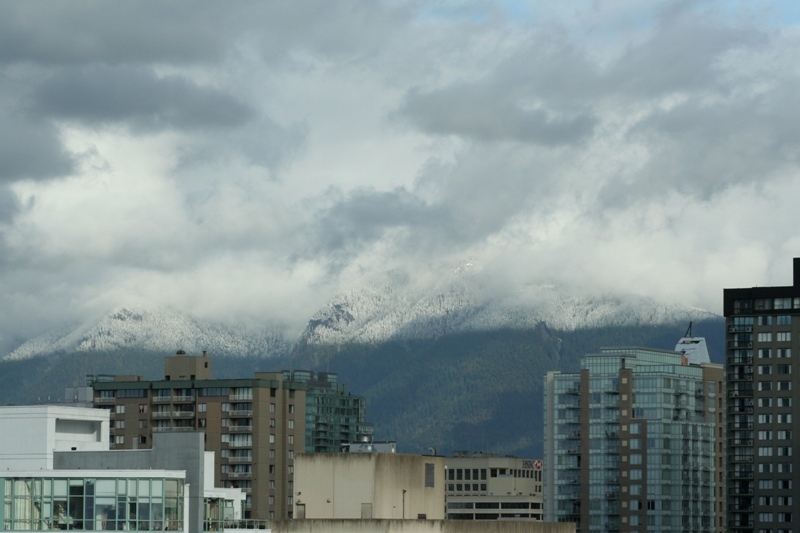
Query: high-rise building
[633, 443]
[254, 426]
[333, 417]
[763, 332]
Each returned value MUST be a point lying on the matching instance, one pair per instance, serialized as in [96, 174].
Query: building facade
[253, 426]
[763, 336]
[488, 487]
[633, 443]
[369, 486]
[333, 417]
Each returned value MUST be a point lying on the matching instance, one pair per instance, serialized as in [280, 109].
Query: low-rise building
[59, 474]
[369, 486]
[488, 487]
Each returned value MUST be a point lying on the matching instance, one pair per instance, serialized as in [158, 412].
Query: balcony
[162, 399]
[241, 413]
[162, 414]
[240, 397]
[740, 344]
[246, 459]
[240, 445]
[183, 414]
[183, 399]
[240, 429]
[239, 475]
[105, 400]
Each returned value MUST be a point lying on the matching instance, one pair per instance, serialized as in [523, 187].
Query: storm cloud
[254, 160]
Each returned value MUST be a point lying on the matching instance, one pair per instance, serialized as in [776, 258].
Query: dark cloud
[479, 113]
[30, 148]
[89, 32]
[190, 32]
[9, 206]
[682, 54]
[103, 95]
[354, 221]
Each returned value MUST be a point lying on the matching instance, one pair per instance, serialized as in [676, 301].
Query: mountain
[452, 362]
[396, 307]
[156, 331]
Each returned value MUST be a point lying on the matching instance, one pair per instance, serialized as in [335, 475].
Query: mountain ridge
[394, 306]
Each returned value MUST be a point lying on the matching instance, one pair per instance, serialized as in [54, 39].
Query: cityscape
[641, 439]
[402, 266]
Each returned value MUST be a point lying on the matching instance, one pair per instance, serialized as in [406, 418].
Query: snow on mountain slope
[396, 308]
[160, 330]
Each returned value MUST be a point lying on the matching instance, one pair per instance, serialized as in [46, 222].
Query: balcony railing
[247, 459]
[183, 414]
[240, 429]
[241, 413]
[105, 400]
[182, 399]
[162, 399]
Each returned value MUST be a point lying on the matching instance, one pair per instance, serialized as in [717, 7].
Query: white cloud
[302, 148]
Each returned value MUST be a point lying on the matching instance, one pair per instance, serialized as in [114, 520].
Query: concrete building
[30, 435]
[634, 442]
[82, 485]
[763, 338]
[488, 487]
[369, 486]
[253, 426]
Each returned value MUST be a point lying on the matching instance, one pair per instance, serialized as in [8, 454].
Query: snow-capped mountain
[394, 307]
[162, 330]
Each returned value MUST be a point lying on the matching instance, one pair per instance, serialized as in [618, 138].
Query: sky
[248, 161]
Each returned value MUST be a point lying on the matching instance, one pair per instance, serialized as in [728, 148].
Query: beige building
[488, 487]
[369, 486]
[253, 426]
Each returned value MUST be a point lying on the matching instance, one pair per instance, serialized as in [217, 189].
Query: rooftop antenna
[689, 331]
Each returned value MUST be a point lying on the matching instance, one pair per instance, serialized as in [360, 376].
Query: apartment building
[763, 332]
[333, 417]
[254, 426]
[633, 443]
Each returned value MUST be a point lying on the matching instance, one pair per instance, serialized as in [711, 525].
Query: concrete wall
[30, 434]
[334, 487]
[400, 490]
[338, 485]
[417, 526]
[171, 451]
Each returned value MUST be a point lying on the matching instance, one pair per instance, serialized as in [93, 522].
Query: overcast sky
[250, 160]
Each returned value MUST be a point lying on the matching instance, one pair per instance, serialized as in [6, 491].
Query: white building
[29, 435]
[58, 473]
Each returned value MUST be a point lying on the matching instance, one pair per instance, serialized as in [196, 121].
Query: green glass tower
[333, 416]
[633, 443]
